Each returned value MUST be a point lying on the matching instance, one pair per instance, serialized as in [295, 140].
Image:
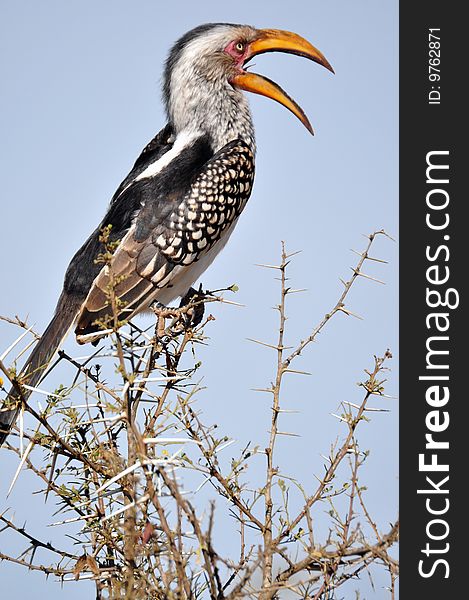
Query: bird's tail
[38, 361]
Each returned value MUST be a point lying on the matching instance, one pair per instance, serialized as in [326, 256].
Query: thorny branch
[118, 452]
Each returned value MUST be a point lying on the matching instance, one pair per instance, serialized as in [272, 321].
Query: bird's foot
[188, 315]
[194, 302]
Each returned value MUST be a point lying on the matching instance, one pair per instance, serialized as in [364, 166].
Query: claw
[196, 314]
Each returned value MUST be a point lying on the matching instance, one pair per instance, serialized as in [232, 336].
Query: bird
[176, 209]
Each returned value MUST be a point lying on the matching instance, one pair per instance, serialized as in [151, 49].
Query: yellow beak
[276, 40]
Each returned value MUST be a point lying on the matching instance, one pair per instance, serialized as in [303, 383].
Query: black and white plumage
[168, 247]
[178, 206]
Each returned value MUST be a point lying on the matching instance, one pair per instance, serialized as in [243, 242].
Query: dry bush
[125, 452]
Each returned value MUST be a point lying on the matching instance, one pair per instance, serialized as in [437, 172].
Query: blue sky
[81, 98]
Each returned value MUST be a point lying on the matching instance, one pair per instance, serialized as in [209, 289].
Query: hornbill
[178, 206]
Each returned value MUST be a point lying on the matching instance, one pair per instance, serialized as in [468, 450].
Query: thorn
[362, 254]
[223, 301]
[73, 520]
[26, 348]
[269, 345]
[367, 276]
[267, 266]
[153, 379]
[22, 461]
[202, 484]
[382, 232]
[379, 260]
[115, 419]
[127, 507]
[294, 253]
[296, 372]
[108, 483]
[90, 337]
[350, 404]
[367, 408]
[350, 313]
[161, 440]
[16, 342]
[340, 418]
[96, 405]
[53, 461]
[223, 446]
[21, 424]
[43, 392]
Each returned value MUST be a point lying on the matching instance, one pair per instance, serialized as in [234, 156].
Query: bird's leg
[190, 312]
[195, 313]
[183, 317]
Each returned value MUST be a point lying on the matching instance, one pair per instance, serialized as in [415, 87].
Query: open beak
[276, 40]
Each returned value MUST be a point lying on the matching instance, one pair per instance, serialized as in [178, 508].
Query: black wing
[83, 269]
[154, 150]
[79, 277]
[184, 214]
